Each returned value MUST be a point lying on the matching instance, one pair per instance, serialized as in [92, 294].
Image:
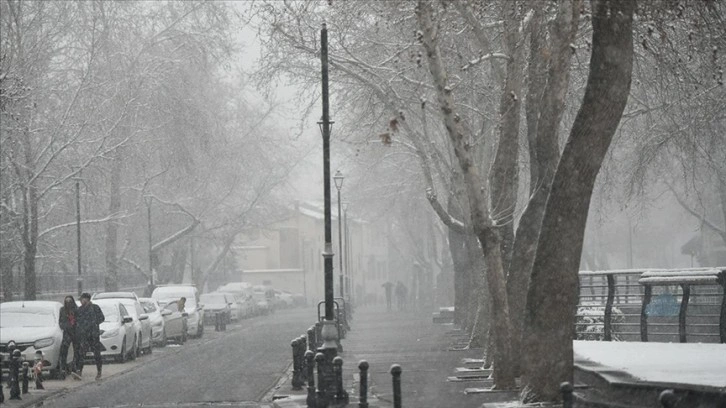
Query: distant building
[288, 254]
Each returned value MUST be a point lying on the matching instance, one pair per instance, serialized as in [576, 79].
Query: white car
[117, 331]
[153, 310]
[114, 295]
[143, 326]
[175, 323]
[172, 293]
[141, 319]
[32, 325]
[217, 303]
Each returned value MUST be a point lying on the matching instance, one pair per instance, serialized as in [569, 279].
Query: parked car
[118, 333]
[153, 310]
[237, 288]
[217, 303]
[243, 306]
[285, 297]
[264, 299]
[243, 293]
[141, 319]
[115, 295]
[32, 325]
[172, 293]
[175, 323]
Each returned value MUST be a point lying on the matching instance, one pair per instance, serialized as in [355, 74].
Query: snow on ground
[683, 363]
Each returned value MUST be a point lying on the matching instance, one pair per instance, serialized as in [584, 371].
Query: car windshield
[14, 318]
[149, 307]
[210, 299]
[113, 295]
[110, 312]
[130, 307]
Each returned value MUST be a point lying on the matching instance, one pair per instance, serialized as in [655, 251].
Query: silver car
[32, 326]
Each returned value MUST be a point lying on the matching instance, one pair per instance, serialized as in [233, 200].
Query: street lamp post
[338, 178]
[329, 331]
[78, 232]
[148, 200]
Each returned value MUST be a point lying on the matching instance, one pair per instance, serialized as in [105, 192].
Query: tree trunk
[552, 295]
[30, 239]
[6, 276]
[462, 269]
[178, 262]
[477, 196]
[504, 174]
[110, 281]
[544, 155]
[476, 283]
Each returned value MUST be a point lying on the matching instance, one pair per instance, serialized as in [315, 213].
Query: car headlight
[110, 333]
[43, 343]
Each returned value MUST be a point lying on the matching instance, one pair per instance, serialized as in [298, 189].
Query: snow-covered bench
[685, 279]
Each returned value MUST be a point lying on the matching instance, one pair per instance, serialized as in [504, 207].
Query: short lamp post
[338, 179]
[345, 253]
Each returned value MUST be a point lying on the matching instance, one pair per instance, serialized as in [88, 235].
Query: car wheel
[151, 345]
[135, 351]
[58, 373]
[121, 358]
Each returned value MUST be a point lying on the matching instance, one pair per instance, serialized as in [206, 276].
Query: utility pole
[78, 233]
[149, 200]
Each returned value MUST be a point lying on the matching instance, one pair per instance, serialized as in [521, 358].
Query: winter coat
[66, 322]
[88, 318]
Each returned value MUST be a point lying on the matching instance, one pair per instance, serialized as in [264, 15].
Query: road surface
[241, 365]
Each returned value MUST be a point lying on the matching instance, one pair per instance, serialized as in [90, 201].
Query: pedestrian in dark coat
[68, 321]
[388, 286]
[90, 317]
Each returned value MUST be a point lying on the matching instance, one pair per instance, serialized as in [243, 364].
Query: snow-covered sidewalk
[701, 364]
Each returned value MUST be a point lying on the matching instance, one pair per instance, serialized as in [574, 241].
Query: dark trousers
[90, 342]
[69, 337]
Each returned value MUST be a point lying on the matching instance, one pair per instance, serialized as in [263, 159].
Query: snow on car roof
[31, 305]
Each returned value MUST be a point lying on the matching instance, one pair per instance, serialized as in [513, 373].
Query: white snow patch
[682, 363]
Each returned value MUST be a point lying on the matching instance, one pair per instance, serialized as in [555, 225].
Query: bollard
[223, 322]
[363, 395]
[216, 322]
[25, 376]
[311, 338]
[567, 398]
[321, 401]
[296, 383]
[340, 395]
[14, 375]
[310, 368]
[318, 335]
[396, 374]
[301, 349]
[668, 399]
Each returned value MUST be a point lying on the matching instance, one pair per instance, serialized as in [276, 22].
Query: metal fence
[613, 306]
[53, 286]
